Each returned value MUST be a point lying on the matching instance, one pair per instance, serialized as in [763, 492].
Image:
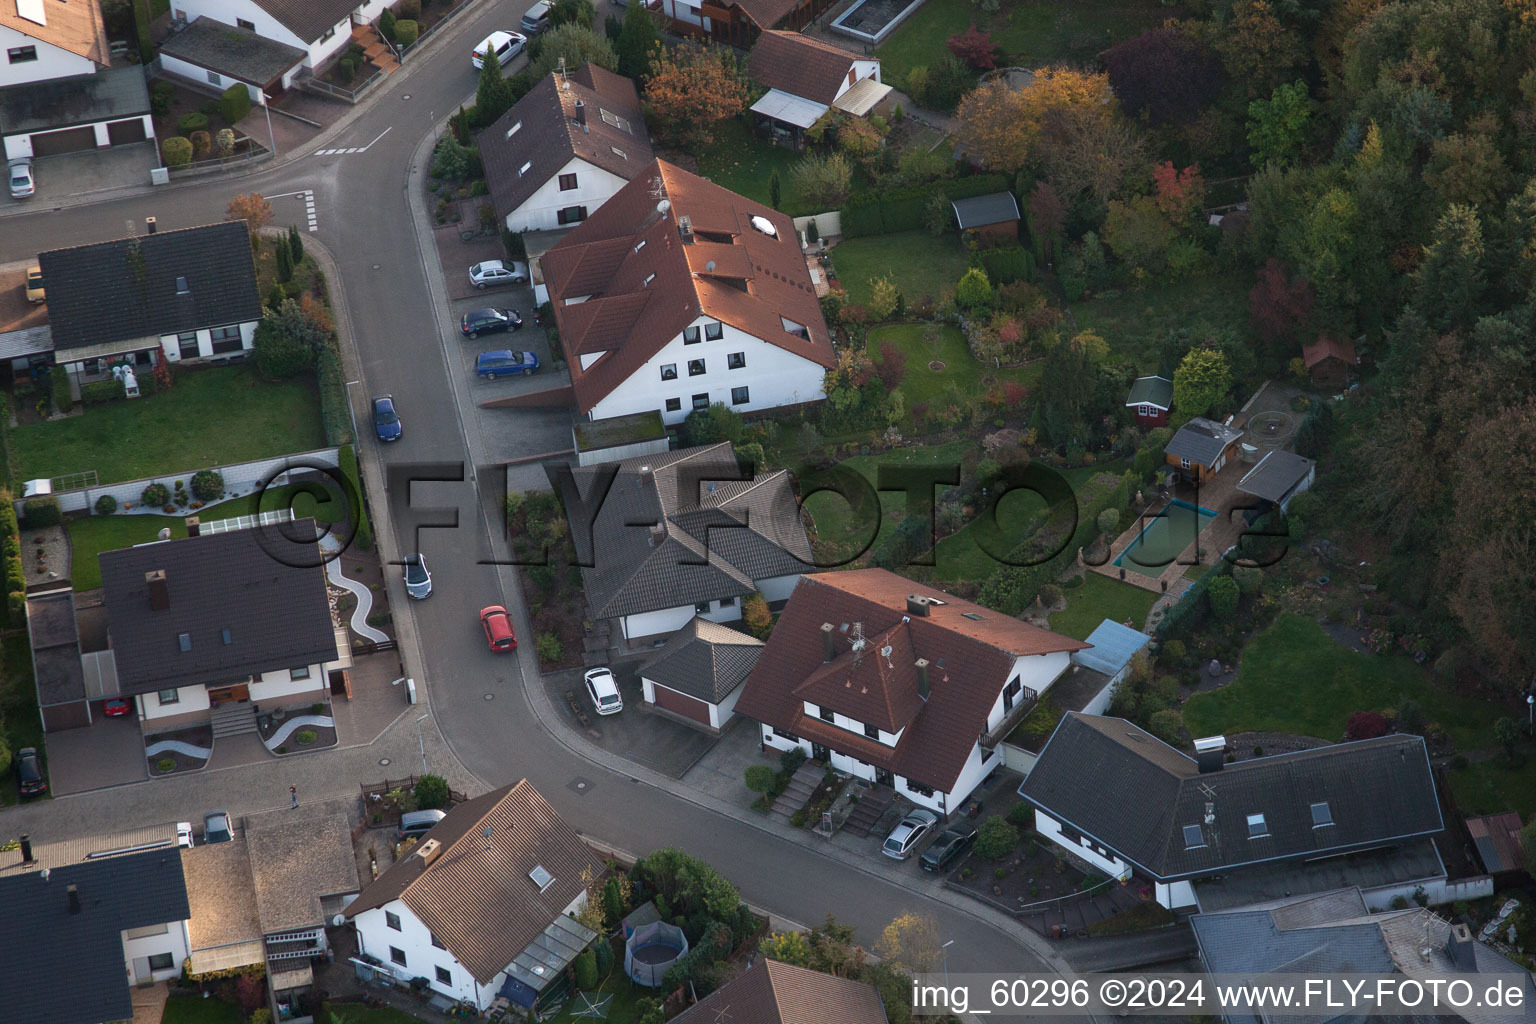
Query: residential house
[1215, 834]
[58, 90]
[1330, 362]
[1277, 478]
[771, 992]
[678, 294]
[215, 626]
[671, 536]
[697, 676]
[736, 22]
[80, 933]
[899, 683]
[1201, 448]
[482, 907]
[56, 669]
[1151, 398]
[1335, 933]
[321, 28]
[990, 219]
[175, 295]
[565, 148]
[215, 53]
[805, 78]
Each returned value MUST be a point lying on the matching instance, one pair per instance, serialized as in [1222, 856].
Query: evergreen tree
[492, 95]
[295, 245]
[284, 262]
[637, 38]
[774, 189]
[1450, 280]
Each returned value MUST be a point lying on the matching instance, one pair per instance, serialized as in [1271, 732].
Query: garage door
[682, 704]
[121, 132]
[70, 140]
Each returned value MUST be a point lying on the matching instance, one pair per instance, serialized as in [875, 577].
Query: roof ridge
[421, 873]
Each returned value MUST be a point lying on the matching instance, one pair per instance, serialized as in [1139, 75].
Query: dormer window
[1193, 840]
[1257, 829]
[798, 330]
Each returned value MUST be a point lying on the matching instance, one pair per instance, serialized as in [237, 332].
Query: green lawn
[744, 164]
[622, 1008]
[1488, 787]
[1031, 33]
[19, 722]
[211, 417]
[192, 1010]
[961, 370]
[1295, 678]
[1101, 598]
[1135, 323]
[89, 537]
[919, 264]
[351, 1013]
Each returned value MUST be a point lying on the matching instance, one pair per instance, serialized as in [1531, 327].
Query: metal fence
[350, 95]
[404, 52]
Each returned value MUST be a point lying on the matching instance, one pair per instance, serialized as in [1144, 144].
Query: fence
[256, 152]
[377, 790]
[351, 95]
[240, 478]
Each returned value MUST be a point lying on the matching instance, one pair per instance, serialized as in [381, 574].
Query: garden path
[361, 592]
[289, 727]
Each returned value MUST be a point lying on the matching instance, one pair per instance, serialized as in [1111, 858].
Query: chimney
[1461, 949]
[646, 477]
[1210, 752]
[921, 664]
[658, 534]
[917, 605]
[194, 525]
[159, 590]
[149, 224]
[828, 642]
[429, 852]
[581, 113]
[26, 848]
[74, 899]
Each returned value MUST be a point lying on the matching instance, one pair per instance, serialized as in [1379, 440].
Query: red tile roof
[970, 660]
[766, 14]
[770, 992]
[800, 65]
[1327, 347]
[646, 284]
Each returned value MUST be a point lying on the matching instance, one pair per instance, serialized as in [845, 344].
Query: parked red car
[498, 628]
[118, 707]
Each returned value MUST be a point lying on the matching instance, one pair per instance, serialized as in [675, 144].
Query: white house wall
[189, 699]
[778, 588]
[414, 939]
[1176, 895]
[862, 69]
[670, 620]
[776, 377]
[279, 684]
[1105, 861]
[231, 12]
[720, 714]
[172, 940]
[194, 73]
[540, 211]
[172, 347]
[52, 61]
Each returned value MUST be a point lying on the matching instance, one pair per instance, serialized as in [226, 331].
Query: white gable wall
[774, 377]
[414, 939]
[861, 69]
[540, 211]
[670, 620]
[139, 944]
[52, 61]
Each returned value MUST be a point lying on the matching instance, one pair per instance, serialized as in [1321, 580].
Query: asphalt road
[393, 300]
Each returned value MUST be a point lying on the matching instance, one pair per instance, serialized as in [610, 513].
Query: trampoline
[650, 950]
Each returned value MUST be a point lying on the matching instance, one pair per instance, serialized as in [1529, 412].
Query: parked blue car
[505, 363]
[386, 423]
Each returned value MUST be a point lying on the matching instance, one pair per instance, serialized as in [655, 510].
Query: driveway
[108, 753]
[634, 734]
[95, 170]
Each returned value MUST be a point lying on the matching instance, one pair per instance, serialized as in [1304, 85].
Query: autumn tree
[1467, 167]
[756, 616]
[822, 181]
[1000, 125]
[1086, 149]
[253, 208]
[1201, 382]
[786, 947]
[1138, 234]
[860, 140]
[910, 943]
[1279, 306]
[1164, 73]
[1259, 51]
[692, 88]
[1179, 195]
[883, 297]
[974, 48]
[1277, 127]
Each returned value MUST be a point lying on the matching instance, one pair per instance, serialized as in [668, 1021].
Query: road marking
[308, 198]
[340, 151]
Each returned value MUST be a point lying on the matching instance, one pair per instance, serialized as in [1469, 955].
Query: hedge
[195, 121]
[334, 413]
[347, 458]
[102, 392]
[406, 32]
[176, 151]
[903, 209]
[42, 511]
[1007, 265]
[5, 443]
[16, 606]
[61, 400]
[235, 103]
[1011, 589]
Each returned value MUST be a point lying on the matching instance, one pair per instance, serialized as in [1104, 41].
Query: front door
[224, 694]
[884, 778]
[820, 753]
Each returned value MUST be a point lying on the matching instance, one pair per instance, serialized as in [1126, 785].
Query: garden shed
[992, 218]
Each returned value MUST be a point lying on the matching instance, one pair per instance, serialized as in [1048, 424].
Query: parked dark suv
[483, 321]
[947, 847]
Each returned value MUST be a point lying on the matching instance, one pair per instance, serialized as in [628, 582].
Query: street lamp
[352, 416]
[944, 951]
[420, 746]
[1530, 713]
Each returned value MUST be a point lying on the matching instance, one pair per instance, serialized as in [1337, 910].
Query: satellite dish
[338, 920]
[709, 268]
[663, 206]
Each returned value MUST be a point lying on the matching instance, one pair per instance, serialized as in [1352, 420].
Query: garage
[681, 704]
[69, 140]
[73, 715]
[121, 133]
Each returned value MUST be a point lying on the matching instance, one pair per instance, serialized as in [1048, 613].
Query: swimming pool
[1164, 537]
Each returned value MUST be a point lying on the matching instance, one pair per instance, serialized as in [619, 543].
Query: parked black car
[483, 321]
[29, 772]
[947, 847]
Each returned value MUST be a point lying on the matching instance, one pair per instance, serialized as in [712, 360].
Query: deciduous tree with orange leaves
[692, 88]
[1000, 124]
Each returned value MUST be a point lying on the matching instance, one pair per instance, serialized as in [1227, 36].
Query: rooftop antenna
[560, 73]
[486, 833]
[856, 640]
[723, 1014]
[885, 652]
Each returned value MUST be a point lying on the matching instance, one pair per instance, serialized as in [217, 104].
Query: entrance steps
[232, 719]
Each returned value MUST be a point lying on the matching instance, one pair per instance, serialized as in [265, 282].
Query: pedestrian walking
[293, 796]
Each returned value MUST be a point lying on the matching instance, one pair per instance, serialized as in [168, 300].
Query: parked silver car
[910, 831]
[22, 184]
[418, 581]
[495, 272]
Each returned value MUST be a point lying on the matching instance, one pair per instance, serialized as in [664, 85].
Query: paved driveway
[95, 170]
[635, 733]
[108, 753]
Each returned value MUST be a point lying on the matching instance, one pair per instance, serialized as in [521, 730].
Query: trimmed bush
[195, 121]
[760, 778]
[106, 505]
[304, 737]
[102, 392]
[207, 485]
[387, 25]
[15, 575]
[347, 458]
[431, 792]
[1021, 815]
[406, 33]
[40, 512]
[996, 838]
[1222, 594]
[165, 764]
[1008, 264]
[550, 648]
[235, 103]
[156, 495]
[16, 607]
[176, 151]
[791, 760]
[202, 144]
[1168, 726]
[59, 377]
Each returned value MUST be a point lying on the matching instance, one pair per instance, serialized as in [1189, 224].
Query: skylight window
[609, 117]
[541, 878]
[228, 639]
[1321, 815]
[970, 615]
[798, 330]
[648, 279]
[525, 169]
[765, 225]
[514, 129]
[184, 641]
[640, 245]
[1193, 840]
[1257, 829]
[619, 153]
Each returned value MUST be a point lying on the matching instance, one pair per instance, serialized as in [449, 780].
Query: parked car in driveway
[386, 422]
[184, 834]
[947, 847]
[483, 321]
[216, 828]
[498, 628]
[415, 824]
[22, 184]
[908, 833]
[29, 772]
[603, 689]
[504, 363]
[494, 272]
[418, 580]
[118, 707]
[35, 291]
[506, 46]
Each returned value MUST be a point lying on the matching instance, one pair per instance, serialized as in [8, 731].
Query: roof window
[525, 169]
[182, 287]
[228, 639]
[1321, 815]
[184, 641]
[541, 878]
[798, 330]
[619, 153]
[609, 117]
[971, 615]
[765, 225]
[648, 279]
[514, 129]
[1257, 829]
[1193, 840]
[640, 245]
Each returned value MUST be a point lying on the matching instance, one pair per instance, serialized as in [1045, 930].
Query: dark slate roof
[55, 648]
[770, 992]
[64, 968]
[277, 614]
[1276, 475]
[308, 19]
[1378, 791]
[229, 50]
[126, 288]
[704, 660]
[721, 534]
[1202, 441]
[108, 95]
[1154, 391]
[980, 211]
